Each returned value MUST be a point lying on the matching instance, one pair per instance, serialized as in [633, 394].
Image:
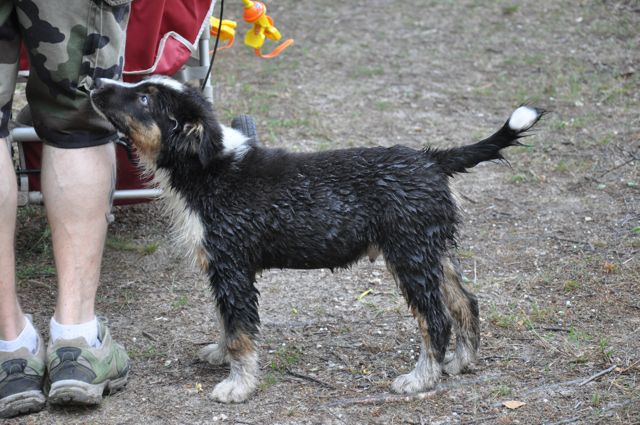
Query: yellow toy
[255, 12]
[227, 31]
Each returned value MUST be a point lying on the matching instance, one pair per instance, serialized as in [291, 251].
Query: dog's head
[166, 121]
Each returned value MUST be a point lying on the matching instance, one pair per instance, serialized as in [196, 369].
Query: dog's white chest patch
[187, 228]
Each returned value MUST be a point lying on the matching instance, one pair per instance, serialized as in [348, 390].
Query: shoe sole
[73, 392]
[22, 403]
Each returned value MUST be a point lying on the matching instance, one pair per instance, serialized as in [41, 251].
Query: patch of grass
[567, 166]
[510, 9]
[123, 245]
[578, 337]
[502, 391]
[533, 60]
[596, 399]
[535, 315]
[571, 285]
[180, 302]
[366, 72]
[382, 105]
[539, 314]
[127, 296]
[35, 234]
[34, 271]
[275, 123]
[502, 320]
[562, 166]
[284, 358]
[605, 351]
[269, 380]
[323, 145]
[526, 176]
[518, 179]
[605, 140]
[144, 354]
[465, 253]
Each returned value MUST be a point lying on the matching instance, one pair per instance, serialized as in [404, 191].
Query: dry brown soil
[551, 244]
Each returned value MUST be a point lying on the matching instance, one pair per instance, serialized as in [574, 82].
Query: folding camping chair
[168, 37]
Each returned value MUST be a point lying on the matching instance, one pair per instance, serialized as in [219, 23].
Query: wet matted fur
[239, 208]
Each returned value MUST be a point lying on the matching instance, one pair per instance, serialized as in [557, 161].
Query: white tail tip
[523, 118]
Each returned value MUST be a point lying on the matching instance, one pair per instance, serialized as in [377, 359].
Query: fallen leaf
[513, 404]
[609, 268]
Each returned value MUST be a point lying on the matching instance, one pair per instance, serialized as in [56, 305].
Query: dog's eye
[144, 100]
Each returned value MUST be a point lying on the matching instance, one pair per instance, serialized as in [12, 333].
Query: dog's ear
[202, 141]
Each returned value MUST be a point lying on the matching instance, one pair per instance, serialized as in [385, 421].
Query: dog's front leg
[216, 354]
[237, 301]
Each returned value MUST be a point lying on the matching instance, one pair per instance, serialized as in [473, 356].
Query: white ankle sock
[88, 330]
[28, 338]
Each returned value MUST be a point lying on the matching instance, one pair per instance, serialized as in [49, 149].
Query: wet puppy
[239, 208]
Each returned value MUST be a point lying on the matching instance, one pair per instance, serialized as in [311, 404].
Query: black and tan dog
[240, 208]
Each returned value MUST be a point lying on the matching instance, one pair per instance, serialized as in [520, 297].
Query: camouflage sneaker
[80, 374]
[21, 379]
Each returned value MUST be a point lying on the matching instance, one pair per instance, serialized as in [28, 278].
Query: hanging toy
[255, 12]
[227, 31]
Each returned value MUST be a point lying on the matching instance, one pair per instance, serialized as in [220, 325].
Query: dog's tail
[458, 160]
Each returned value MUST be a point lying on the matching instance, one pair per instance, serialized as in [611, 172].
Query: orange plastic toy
[255, 12]
[227, 31]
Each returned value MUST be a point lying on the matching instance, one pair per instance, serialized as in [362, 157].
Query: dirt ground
[551, 244]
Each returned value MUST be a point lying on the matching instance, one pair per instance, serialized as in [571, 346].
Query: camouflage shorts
[68, 43]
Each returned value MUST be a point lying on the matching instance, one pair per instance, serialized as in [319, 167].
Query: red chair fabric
[162, 34]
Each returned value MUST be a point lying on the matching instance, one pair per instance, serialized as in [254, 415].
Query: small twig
[617, 166]
[549, 345]
[573, 241]
[466, 198]
[625, 370]
[148, 335]
[553, 329]
[309, 378]
[597, 375]
[385, 398]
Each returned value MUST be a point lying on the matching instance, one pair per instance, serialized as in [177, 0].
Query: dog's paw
[452, 364]
[413, 383]
[456, 362]
[214, 354]
[232, 390]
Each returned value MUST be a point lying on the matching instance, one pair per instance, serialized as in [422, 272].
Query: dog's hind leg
[237, 301]
[463, 306]
[420, 287]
